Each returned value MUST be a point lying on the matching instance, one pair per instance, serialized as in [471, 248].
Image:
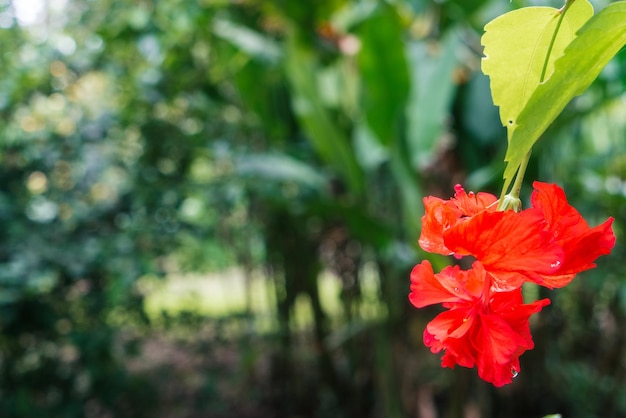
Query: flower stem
[512, 200]
[519, 178]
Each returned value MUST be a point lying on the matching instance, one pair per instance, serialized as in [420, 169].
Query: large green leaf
[595, 45]
[432, 89]
[331, 144]
[251, 42]
[280, 167]
[516, 46]
[384, 72]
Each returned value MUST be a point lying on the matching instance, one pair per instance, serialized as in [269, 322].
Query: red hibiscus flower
[548, 243]
[482, 328]
[486, 324]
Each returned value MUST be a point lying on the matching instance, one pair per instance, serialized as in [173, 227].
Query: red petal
[426, 289]
[504, 336]
[583, 250]
[581, 253]
[581, 244]
[430, 341]
[453, 323]
[472, 204]
[439, 215]
[551, 201]
[459, 351]
[502, 374]
[517, 314]
[507, 244]
[497, 341]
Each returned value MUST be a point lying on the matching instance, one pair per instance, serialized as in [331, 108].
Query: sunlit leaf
[595, 45]
[516, 45]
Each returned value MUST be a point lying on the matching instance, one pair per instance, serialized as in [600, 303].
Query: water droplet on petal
[514, 373]
[556, 264]
[456, 289]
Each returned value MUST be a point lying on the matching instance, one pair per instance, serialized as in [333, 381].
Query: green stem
[517, 186]
[562, 12]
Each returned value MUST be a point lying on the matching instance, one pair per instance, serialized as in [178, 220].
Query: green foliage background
[141, 140]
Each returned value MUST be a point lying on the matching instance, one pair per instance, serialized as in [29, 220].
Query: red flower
[481, 328]
[548, 243]
[486, 324]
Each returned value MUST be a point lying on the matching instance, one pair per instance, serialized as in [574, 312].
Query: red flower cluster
[486, 323]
